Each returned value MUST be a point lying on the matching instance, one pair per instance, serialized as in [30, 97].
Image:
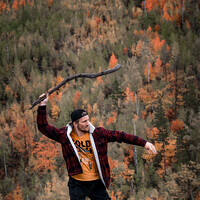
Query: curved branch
[82, 75]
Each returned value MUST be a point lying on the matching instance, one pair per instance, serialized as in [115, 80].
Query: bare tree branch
[82, 75]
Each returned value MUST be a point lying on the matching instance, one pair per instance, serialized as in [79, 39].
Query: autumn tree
[43, 156]
[185, 182]
[160, 122]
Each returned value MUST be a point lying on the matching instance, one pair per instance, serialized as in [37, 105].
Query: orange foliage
[89, 108]
[161, 3]
[112, 163]
[88, 13]
[21, 136]
[157, 43]
[15, 5]
[93, 120]
[170, 114]
[165, 13]
[113, 61]
[9, 197]
[8, 90]
[45, 153]
[152, 134]
[99, 79]
[171, 9]
[147, 96]
[154, 71]
[136, 12]
[125, 50]
[2, 6]
[150, 4]
[148, 69]
[197, 196]
[135, 117]
[112, 119]
[50, 3]
[55, 110]
[129, 95]
[22, 3]
[144, 114]
[76, 98]
[59, 79]
[158, 67]
[15, 195]
[101, 124]
[127, 173]
[7, 68]
[115, 196]
[188, 24]
[98, 20]
[55, 97]
[129, 158]
[169, 156]
[18, 193]
[174, 8]
[135, 32]
[157, 27]
[30, 3]
[136, 51]
[149, 31]
[177, 125]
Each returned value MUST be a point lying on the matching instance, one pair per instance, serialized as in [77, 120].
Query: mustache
[84, 129]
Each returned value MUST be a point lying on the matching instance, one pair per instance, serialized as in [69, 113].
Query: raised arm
[43, 126]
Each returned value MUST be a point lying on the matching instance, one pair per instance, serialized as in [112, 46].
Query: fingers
[42, 95]
[150, 148]
[44, 102]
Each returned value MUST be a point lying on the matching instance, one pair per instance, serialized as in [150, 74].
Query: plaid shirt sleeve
[45, 128]
[118, 136]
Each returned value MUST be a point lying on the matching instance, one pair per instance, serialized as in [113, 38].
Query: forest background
[154, 95]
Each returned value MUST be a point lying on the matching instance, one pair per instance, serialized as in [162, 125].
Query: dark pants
[79, 190]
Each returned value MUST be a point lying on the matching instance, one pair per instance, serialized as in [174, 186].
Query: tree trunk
[137, 105]
[164, 158]
[182, 17]
[145, 8]
[176, 92]
[135, 151]
[8, 57]
[4, 162]
[149, 73]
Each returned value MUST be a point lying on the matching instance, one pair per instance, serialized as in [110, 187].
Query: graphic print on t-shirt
[88, 163]
[85, 150]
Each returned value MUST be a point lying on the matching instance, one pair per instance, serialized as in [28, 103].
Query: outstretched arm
[119, 136]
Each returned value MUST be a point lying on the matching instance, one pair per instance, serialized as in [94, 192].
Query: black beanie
[77, 114]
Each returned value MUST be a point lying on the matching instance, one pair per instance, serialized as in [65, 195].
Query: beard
[83, 130]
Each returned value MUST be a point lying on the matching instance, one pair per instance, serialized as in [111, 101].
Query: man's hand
[150, 148]
[44, 102]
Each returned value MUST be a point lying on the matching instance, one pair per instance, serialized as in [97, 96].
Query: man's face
[83, 124]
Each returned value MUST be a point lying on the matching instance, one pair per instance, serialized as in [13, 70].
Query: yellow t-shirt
[86, 155]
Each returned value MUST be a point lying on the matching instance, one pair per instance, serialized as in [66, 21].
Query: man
[84, 149]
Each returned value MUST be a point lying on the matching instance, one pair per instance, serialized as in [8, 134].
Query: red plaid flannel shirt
[101, 138]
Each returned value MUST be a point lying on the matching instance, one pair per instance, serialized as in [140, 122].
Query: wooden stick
[82, 75]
